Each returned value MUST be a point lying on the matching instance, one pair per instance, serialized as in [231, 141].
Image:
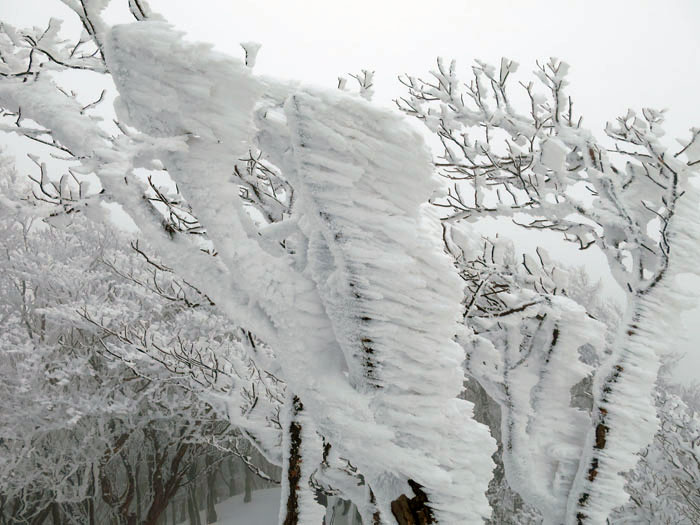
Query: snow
[38, 102]
[199, 134]
[351, 290]
[354, 295]
[554, 154]
[362, 318]
[548, 441]
[528, 361]
[251, 52]
[261, 510]
[389, 292]
[644, 337]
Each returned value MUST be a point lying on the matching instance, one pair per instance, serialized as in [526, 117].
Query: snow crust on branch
[548, 173]
[389, 291]
[175, 90]
[362, 317]
[650, 323]
[527, 357]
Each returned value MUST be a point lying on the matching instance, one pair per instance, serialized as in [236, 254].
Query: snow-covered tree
[170, 349]
[363, 343]
[116, 377]
[536, 333]
[664, 486]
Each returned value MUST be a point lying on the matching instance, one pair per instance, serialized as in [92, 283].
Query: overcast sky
[622, 53]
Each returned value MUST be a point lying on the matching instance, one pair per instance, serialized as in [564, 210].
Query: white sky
[622, 53]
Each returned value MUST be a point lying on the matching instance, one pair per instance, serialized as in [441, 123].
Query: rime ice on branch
[362, 312]
[548, 174]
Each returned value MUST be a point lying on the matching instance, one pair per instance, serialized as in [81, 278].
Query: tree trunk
[230, 480]
[293, 466]
[201, 495]
[413, 511]
[193, 507]
[248, 486]
[91, 511]
[211, 489]
[183, 508]
[137, 488]
[55, 514]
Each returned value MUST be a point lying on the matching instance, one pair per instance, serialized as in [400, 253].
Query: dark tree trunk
[156, 511]
[55, 513]
[230, 480]
[137, 488]
[247, 498]
[192, 504]
[413, 511]
[91, 511]
[183, 508]
[201, 496]
[164, 487]
[193, 508]
[293, 466]
[211, 490]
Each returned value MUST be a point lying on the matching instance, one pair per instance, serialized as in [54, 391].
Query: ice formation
[625, 394]
[362, 317]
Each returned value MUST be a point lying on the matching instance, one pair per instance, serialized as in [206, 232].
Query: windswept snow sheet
[391, 294]
[172, 88]
[187, 94]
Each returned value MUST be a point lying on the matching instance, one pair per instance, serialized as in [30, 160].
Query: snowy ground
[263, 510]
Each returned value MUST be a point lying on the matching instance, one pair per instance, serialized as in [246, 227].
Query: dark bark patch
[413, 511]
[294, 467]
